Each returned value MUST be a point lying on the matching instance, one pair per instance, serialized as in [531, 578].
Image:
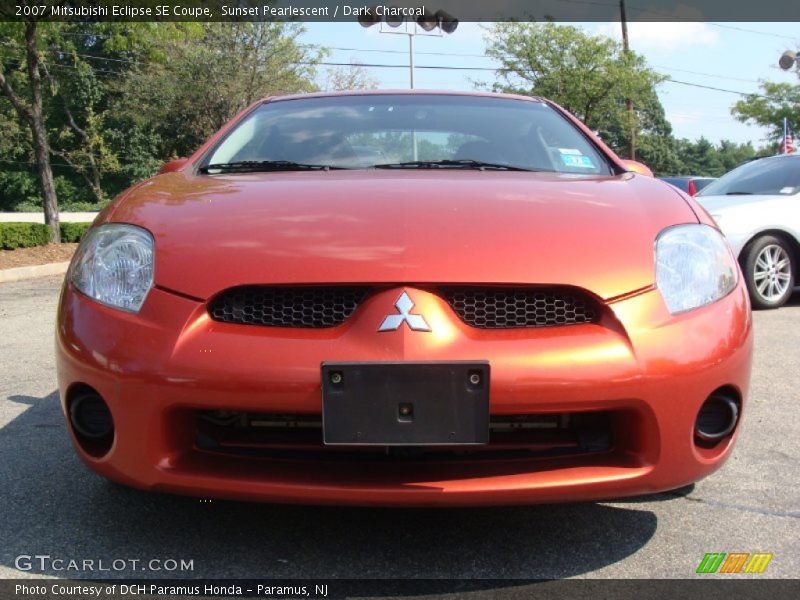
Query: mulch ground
[40, 255]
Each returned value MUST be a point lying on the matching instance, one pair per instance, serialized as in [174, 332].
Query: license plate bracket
[405, 403]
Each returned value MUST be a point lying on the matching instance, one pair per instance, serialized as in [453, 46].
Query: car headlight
[694, 267]
[114, 265]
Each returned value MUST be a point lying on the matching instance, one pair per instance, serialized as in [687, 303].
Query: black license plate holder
[405, 403]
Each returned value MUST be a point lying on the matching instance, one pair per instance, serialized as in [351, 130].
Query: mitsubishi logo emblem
[404, 306]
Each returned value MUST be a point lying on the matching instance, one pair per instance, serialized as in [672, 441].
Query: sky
[730, 56]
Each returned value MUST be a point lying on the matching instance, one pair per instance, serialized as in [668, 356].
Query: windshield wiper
[256, 166]
[738, 193]
[465, 163]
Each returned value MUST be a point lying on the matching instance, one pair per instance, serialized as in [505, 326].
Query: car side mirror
[637, 167]
[173, 165]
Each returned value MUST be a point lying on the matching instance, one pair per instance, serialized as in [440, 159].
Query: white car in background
[757, 206]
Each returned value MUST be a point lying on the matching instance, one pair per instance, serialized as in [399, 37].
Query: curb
[38, 217]
[20, 273]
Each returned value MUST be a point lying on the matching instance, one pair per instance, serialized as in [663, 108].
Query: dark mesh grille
[287, 306]
[502, 308]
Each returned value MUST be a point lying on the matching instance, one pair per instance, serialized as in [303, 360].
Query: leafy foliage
[351, 77]
[119, 99]
[27, 235]
[73, 232]
[122, 98]
[768, 109]
[210, 74]
[23, 235]
[589, 75]
[592, 77]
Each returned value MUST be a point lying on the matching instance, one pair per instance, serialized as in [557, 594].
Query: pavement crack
[752, 509]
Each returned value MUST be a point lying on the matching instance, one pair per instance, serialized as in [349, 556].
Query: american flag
[787, 144]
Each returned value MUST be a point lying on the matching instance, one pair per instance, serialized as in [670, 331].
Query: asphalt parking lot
[51, 504]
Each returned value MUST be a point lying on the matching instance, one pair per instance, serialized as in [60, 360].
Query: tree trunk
[39, 132]
[33, 114]
[49, 200]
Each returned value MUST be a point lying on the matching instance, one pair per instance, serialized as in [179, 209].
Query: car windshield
[780, 175]
[406, 132]
[682, 183]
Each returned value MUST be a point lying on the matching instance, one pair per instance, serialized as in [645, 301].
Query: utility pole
[629, 102]
[411, 60]
[425, 24]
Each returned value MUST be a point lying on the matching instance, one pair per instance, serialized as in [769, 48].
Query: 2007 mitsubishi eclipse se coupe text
[388, 298]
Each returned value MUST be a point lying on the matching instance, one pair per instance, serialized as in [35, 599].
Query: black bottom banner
[579, 589]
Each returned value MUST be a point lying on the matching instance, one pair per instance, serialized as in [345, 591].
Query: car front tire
[769, 267]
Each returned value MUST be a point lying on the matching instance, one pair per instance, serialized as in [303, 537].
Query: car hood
[402, 227]
[717, 203]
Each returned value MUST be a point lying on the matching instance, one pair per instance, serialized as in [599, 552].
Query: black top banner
[398, 10]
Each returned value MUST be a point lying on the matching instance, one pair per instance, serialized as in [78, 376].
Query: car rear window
[700, 184]
[779, 175]
[679, 182]
[362, 131]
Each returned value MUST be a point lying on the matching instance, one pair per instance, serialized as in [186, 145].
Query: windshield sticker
[787, 190]
[572, 157]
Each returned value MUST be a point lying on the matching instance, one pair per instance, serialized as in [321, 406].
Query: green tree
[197, 79]
[78, 63]
[768, 109]
[21, 82]
[660, 153]
[589, 75]
[78, 70]
[732, 154]
[118, 99]
[656, 146]
[350, 77]
[700, 158]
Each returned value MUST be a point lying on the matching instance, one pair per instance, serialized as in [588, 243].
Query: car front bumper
[157, 369]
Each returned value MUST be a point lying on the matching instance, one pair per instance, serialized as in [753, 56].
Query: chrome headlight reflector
[694, 267]
[114, 265]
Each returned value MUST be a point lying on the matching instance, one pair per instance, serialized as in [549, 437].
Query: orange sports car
[389, 298]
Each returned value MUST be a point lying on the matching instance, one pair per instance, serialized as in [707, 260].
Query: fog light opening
[717, 418]
[91, 420]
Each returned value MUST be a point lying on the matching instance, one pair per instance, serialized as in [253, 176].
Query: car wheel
[769, 271]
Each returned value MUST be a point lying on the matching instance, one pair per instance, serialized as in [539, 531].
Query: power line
[753, 31]
[451, 68]
[716, 89]
[460, 55]
[452, 54]
[505, 69]
[404, 52]
[705, 74]
[428, 67]
[467, 55]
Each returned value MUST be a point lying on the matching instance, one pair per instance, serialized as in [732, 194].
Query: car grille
[328, 306]
[302, 306]
[505, 308]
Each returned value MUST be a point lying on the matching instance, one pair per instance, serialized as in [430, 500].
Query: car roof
[405, 92]
[792, 156]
